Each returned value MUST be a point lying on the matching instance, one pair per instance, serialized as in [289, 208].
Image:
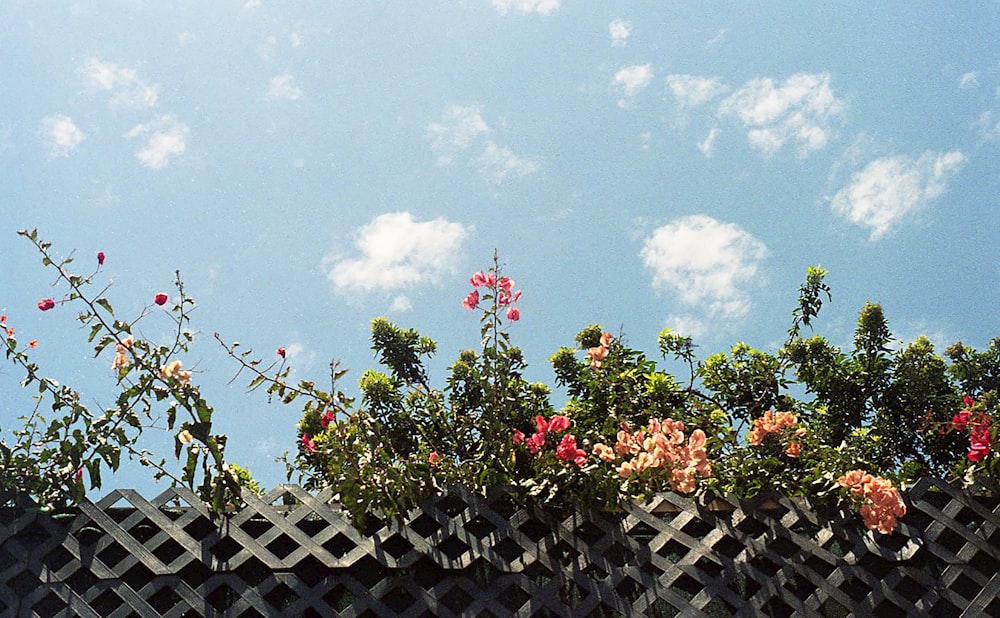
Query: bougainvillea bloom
[121, 353]
[979, 439]
[513, 314]
[472, 300]
[883, 503]
[100, 258]
[558, 422]
[327, 418]
[961, 420]
[505, 284]
[598, 354]
[281, 352]
[46, 303]
[518, 436]
[793, 449]
[433, 458]
[568, 451]
[160, 298]
[478, 279]
[308, 443]
[33, 343]
[174, 371]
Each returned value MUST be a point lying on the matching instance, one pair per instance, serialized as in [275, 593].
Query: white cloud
[888, 189]
[634, 79]
[619, 30]
[400, 304]
[397, 252]
[457, 130]
[708, 144]
[60, 135]
[497, 162]
[707, 263]
[692, 90]
[542, 7]
[989, 129]
[719, 37]
[126, 88]
[968, 80]
[281, 87]
[165, 140]
[800, 110]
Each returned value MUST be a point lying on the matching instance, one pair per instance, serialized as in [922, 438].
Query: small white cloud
[632, 80]
[165, 139]
[542, 7]
[719, 37]
[688, 326]
[888, 189]
[456, 131]
[989, 128]
[60, 135]
[707, 263]
[619, 30]
[801, 110]
[692, 90]
[397, 252]
[708, 144]
[282, 87]
[968, 80]
[497, 162]
[400, 304]
[126, 88]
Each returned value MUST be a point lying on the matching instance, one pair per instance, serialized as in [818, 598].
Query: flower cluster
[503, 287]
[174, 371]
[979, 426]
[778, 423]
[121, 353]
[598, 354]
[566, 449]
[882, 504]
[661, 446]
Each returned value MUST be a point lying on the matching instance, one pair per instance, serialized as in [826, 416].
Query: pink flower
[478, 279]
[472, 300]
[281, 352]
[513, 314]
[518, 436]
[979, 439]
[307, 442]
[327, 418]
[100, 258]
[503, 298]
[968, 401]
[536, 442]
[160, 299]
[793, 449]
[506, 283]
[491, 280]
[541, 425]
[434, 458]
[568, 451]
[516, 296]
[961, 420]
[558, 423]
[46, 303]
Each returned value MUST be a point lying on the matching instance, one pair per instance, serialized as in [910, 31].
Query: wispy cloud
[462, 128]
[397, 252]
[989, 126]
[283, 87]
[165, 140]
[620, 30]
[632, 80]
[59, 135]
[456, 131]
[127, 89]
[543, 7]
[497, 162]
[708, 264]
[693, 90]
[400, 304]
[888, 189]
[802, 109]
[707, 145]
[968, 80]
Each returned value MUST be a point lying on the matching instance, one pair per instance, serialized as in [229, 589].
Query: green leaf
[103, 302]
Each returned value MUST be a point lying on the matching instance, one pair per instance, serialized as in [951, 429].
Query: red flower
[79, 474]
[558, 422]
[567, 451]
[281, 352]
[433, 458]
[968, 401]
[513, 314]
[46, 303]
[961, 420]
[518, 436]
[160, 299]
[100, 258]
[327, 418]
[307, 442]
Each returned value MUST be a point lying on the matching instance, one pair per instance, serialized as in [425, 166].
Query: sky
[309, 166]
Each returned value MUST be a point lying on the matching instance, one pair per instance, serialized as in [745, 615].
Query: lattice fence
[472, 556]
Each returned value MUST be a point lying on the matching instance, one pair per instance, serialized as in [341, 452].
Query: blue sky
[309, 166]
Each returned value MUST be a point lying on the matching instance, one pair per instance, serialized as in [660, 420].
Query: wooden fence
[465, 555]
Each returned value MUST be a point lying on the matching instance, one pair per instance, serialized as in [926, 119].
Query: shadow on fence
[467, 555]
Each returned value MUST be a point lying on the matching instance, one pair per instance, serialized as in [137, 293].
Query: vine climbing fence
[293, 553]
